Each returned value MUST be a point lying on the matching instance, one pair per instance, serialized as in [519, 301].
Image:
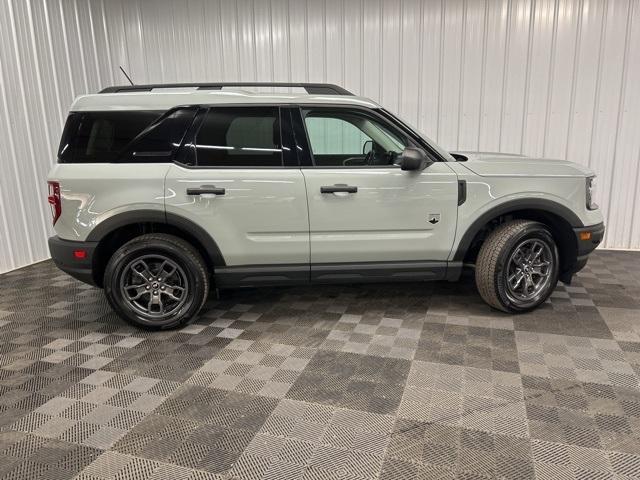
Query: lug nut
[155, 292]
[148, 287]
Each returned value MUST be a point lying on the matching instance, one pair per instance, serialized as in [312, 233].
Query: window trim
[174, 153]
[436, 156]
[302, 152]
[65, 133]
[367, 111]
[190, 138]
[301, 138]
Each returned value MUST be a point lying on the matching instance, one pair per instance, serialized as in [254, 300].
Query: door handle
[338, 188]
[206, 189]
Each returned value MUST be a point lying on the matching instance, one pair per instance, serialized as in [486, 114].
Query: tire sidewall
[532, 231]
[129, 252]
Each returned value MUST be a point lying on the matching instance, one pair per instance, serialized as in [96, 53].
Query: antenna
[125, 74]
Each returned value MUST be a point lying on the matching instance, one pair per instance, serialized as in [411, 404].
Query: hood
[511, 165]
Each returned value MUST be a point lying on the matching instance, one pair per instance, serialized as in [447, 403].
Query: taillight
[54, 200]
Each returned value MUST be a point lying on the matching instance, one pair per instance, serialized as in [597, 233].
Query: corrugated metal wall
[557, 78]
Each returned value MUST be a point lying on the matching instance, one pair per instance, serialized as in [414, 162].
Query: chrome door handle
[338, 188]
[206, 189]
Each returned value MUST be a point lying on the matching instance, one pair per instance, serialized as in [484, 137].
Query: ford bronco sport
[161, 191]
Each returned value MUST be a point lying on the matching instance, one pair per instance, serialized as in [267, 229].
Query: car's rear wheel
[517, 266]
[156, 281]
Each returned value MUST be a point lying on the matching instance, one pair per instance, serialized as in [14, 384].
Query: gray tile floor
[337, 382]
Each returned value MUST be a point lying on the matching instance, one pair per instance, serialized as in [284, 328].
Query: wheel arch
[559, 218]
[115, 231]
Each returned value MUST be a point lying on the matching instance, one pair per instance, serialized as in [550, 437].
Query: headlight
[591, 187]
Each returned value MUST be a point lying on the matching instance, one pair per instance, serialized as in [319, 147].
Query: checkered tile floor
[410, 381]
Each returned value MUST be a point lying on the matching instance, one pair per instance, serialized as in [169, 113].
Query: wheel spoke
[517, 257]
[539, 272]
[163, 272]
[528, 283]
[517, 277]
[541, 264]
[145, 273]
[169, 285]
[155, 301]
[139, 290]
[535, 253]
[171, 293]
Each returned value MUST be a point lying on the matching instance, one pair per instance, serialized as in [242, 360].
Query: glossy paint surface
[497, 165]
[93, 192]
[487, 192]
[387, 219]
[261, 219]
[273, 216]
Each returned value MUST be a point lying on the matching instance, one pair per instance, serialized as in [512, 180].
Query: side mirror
[367, 147]
[413, 158]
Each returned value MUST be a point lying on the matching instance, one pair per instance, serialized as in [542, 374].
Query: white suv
[161, 191]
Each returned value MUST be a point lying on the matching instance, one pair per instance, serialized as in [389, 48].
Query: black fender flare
[532, 204]
[123, 219]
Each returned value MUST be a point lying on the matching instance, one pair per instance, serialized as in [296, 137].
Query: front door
[365, 213]
[240, 185]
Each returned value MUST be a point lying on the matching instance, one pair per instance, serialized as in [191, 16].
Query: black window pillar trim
[303, 148]
[287, 139]
[183, 155]
[415, 136]
[172, 155]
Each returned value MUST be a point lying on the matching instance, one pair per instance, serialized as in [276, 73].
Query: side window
[239, 137]
[335, 136]
[161, 140]
[99, 137]
[341, 138]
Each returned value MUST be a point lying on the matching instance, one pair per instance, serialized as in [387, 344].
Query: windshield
[441, 151]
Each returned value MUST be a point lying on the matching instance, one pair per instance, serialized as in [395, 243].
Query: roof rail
[311, 88]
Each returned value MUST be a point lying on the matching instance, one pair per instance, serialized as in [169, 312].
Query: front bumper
[64, 255]
[587, 238]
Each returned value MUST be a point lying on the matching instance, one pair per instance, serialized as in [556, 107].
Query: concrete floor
[338, 382]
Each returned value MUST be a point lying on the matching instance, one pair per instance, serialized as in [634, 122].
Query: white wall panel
[430, 57]
[547, 77]
[473, 63]
[494, 69]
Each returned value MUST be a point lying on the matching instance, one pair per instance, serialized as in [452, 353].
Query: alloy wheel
[529, 271]
[154, 286]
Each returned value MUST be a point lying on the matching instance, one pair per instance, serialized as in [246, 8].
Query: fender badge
[434, 218]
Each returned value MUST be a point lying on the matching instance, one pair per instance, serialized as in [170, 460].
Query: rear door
[364, 211]
[239, 179]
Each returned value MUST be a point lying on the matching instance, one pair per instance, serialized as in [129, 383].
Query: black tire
[123, 272]
[494, 261]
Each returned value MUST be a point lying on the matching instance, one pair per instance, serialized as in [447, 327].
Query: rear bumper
[63, 253]
[587, 238]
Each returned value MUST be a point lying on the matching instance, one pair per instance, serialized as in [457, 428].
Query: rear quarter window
[99, 137]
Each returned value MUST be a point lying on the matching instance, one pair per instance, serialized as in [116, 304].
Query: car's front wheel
[517, 266]
[156, 281]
